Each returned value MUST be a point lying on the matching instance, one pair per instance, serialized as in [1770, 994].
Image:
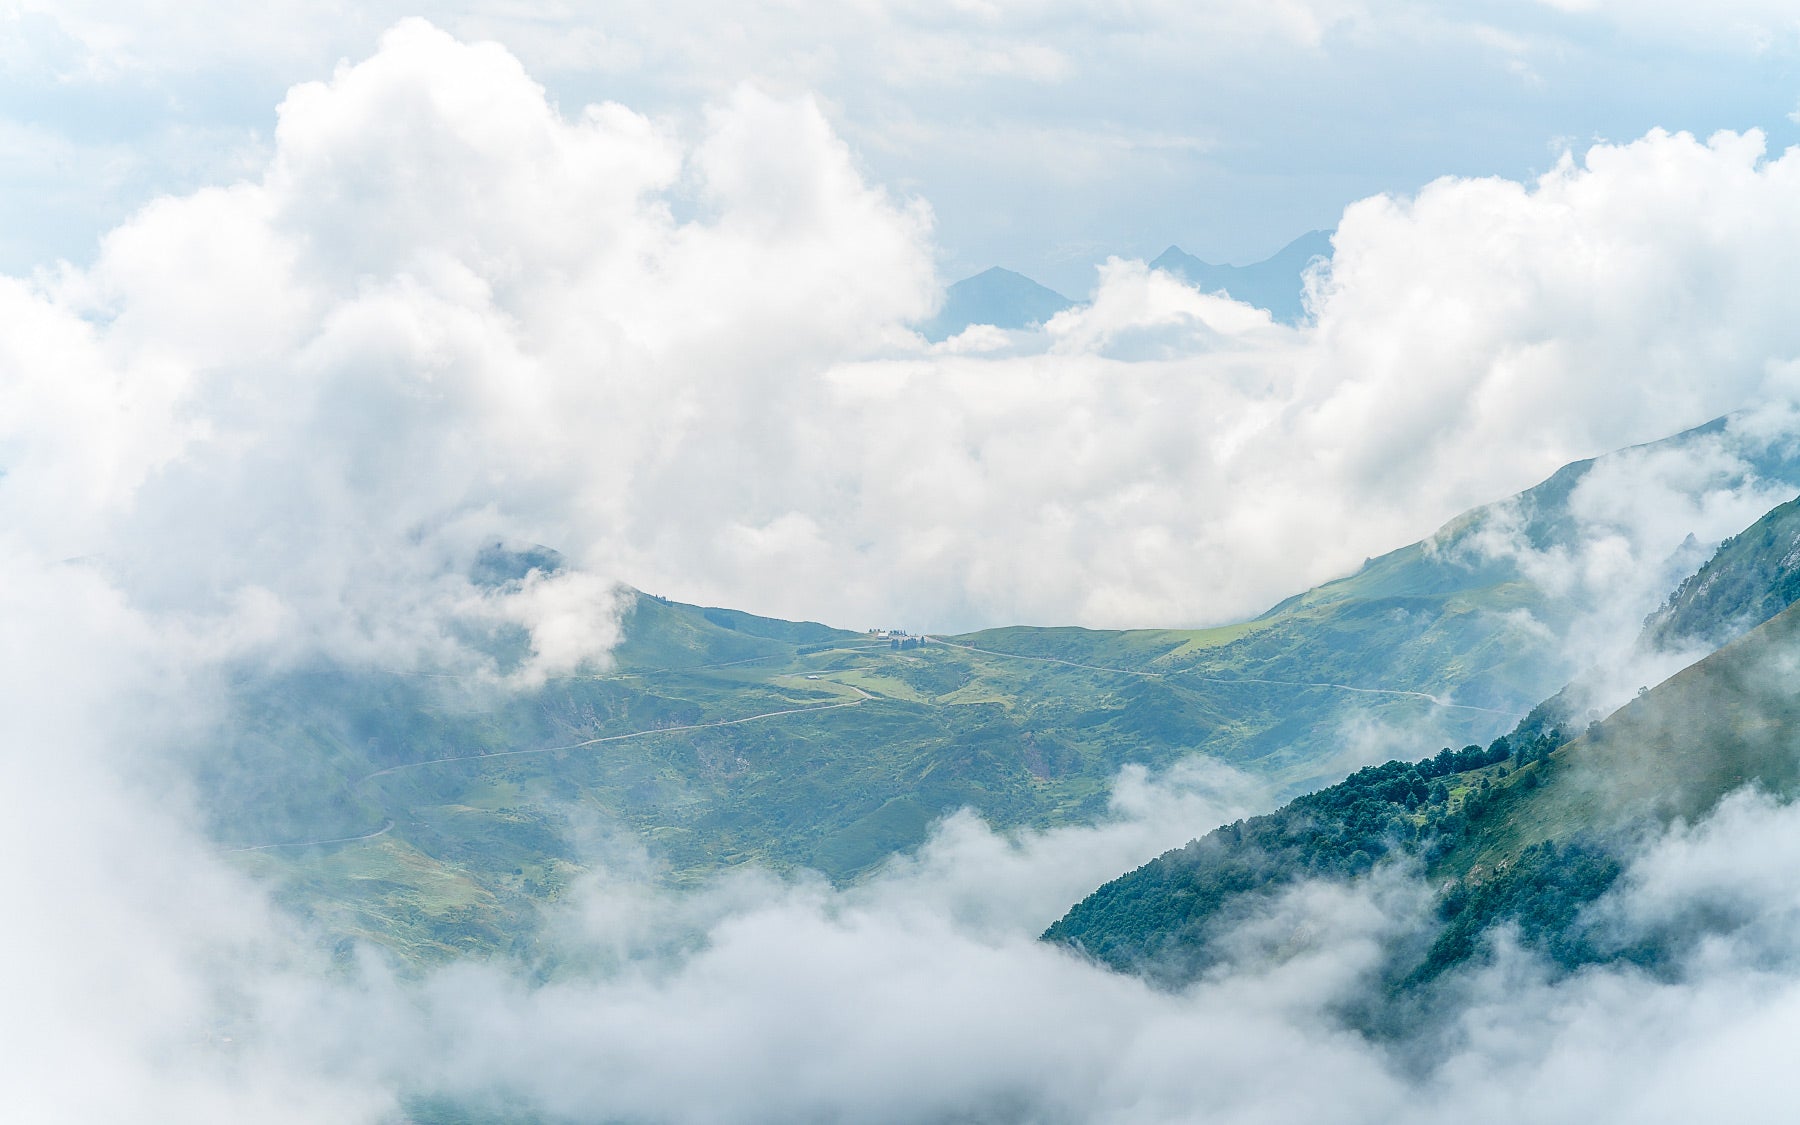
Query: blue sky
[1045, 136]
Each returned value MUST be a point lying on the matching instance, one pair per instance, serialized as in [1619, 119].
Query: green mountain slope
[1525, 831]
[1753, 577]
[1725, 722]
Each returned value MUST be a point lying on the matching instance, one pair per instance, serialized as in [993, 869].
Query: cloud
[135, 961]
[444, 314]
[862, 1007]
[800, 1002]
[901, 999]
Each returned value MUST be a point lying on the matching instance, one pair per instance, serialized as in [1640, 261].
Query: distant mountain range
[1013, 301]
[1276, 283]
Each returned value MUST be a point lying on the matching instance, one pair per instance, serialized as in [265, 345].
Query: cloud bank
[787, 1001]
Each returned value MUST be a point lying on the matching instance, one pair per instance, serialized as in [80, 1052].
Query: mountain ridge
[995, 296]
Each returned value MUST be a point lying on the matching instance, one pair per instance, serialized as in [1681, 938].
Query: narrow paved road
[640, 673]
[1436, 700]
[382, 831]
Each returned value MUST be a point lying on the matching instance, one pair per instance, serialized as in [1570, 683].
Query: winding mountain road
[385, 828]
[861, 698]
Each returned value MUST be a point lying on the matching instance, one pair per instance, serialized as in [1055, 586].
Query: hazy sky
[1045, 134]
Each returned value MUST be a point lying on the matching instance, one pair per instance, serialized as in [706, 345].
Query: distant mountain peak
[996, 296]
[997, 273]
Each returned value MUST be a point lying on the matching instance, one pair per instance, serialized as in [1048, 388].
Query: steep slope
[1725, 722]
[1163, 918]
[1754, 576]
[1276, 283]
[1525, 831]
[995, 296]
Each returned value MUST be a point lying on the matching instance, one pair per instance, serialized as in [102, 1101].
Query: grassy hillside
[1753, 577]
[1727, 721]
